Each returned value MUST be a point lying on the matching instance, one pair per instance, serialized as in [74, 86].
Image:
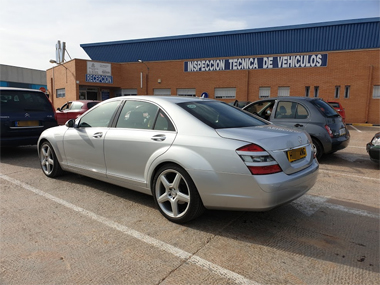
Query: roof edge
[257, 30]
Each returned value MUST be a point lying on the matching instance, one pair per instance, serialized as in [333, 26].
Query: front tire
[49, 162]
[175, 194]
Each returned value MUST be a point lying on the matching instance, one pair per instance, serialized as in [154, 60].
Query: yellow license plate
[296, 154]
[27, 123]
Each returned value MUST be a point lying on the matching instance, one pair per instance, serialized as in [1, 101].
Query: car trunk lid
[290, 148]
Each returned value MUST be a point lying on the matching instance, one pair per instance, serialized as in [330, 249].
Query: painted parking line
[186, 256]
[349, 175]
[355, 128]
[309, 205]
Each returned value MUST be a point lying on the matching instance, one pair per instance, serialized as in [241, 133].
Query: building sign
[287, 61]
[98, 68]
[99, 78]
[98, 72]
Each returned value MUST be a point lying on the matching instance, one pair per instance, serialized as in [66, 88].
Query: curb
[362, 125]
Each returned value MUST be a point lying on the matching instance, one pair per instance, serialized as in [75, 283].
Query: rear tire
[175, 194]
[318, 149]
[49, 162]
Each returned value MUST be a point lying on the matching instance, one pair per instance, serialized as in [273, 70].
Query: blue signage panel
[99, 78]
[270, 62]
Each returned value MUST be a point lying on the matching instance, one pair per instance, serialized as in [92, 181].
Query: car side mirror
[70, 123]
[58, 109]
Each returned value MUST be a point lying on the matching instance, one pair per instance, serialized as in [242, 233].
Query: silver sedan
[190, 154]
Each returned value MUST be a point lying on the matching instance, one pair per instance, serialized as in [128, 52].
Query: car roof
[158, 99]
[83, 101]
[20, 89]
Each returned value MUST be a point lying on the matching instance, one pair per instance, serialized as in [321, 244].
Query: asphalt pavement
[77, 230]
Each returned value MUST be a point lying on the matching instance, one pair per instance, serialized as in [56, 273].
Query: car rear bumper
[253, 193]
[17, 141]
[340, 143]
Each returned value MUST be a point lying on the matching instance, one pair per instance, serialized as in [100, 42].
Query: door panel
[84, 149]
[129, 152]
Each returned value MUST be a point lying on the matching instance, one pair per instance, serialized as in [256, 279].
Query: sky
[30, 29]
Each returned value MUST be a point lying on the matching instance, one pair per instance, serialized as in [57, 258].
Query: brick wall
[357, 69]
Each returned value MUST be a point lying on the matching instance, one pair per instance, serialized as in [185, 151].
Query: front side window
[219, 115]
[99, 117]
[137, 115]
[76, 106]
[262, 108]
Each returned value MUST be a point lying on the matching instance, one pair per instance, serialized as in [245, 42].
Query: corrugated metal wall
[321, 37]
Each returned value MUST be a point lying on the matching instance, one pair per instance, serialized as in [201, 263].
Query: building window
[225, 93]
[376, 92]
[337, 92]
[187, 92]
[283, 91]
[161, 92]
[307, 91]
[61, 93]
[347, 91]
[316, 91]
[264, 92]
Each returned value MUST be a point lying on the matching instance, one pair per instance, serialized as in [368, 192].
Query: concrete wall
[22, 75]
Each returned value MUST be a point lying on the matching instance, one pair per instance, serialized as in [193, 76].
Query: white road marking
[356, 146]
[309, 204]
[355, 128]
[188, 257]
[349, 175]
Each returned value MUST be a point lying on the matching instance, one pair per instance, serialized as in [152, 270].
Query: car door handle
[298, 125]
[159, 138]
[97, 135]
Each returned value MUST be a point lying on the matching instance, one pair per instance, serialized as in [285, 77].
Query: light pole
[147, 76]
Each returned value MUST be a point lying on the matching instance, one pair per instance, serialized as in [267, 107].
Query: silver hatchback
[190, 154]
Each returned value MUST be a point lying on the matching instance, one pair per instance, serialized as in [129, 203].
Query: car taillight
[258, 161]
[329, 131]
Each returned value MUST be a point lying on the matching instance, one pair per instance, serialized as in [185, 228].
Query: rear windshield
[335, 105]
[325, 108]
[24, 101]
[220, 115]
[91, 104]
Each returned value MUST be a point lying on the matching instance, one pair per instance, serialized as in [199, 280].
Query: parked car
[315, 116]
[25, 114]
[73, 109]
[189, 153]
[239, 104]
[339, 108]
[373, 148]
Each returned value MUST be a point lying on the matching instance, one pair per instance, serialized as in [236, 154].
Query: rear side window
[219, 115]
[324, 108]
[291, 110]
[24, 101]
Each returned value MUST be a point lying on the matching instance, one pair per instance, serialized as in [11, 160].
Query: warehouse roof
[318, 37]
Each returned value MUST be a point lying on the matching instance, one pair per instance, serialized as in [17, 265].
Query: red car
[339, 108]
[73, 109]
